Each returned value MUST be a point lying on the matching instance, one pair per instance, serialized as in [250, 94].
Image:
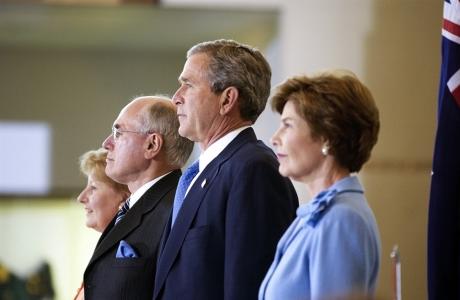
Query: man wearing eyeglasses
[145, 152]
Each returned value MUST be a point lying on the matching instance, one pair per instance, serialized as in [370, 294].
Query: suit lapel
[190, 207]
[113, 234]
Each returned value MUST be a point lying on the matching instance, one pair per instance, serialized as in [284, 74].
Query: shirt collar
[141, 191]
[316, 208]
[218, 146]
[347, 183]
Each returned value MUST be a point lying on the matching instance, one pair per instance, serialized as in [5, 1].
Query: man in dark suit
[145, 152]
[223, 239]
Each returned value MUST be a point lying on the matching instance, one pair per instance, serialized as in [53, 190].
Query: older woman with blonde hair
[102, 197]
[329, 125]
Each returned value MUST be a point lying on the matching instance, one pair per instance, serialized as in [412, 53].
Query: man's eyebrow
[183, 79]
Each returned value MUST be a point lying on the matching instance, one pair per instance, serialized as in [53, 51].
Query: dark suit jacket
[109, 278]
[225, 235]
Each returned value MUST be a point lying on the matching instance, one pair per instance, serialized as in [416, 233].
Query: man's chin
[183, 133]
[111, 174]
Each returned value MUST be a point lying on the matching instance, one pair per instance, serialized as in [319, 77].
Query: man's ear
[228, 100]
[153, 145]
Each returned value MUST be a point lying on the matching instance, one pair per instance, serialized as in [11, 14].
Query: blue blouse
[331, 249]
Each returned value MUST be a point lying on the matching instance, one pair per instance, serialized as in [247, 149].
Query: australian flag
[444, 211]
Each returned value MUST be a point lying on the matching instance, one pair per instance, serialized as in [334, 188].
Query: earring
[325, 150]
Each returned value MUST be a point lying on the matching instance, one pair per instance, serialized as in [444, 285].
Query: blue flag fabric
[444, 210]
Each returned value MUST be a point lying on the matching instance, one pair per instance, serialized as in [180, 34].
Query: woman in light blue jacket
[329, 125]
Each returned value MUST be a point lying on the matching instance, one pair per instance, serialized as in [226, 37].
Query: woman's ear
[326, 147]
[228, 100]
[153, 145]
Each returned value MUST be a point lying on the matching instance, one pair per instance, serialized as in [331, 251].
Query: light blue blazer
[331, 249]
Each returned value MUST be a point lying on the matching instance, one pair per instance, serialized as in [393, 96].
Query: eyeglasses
[117, 132]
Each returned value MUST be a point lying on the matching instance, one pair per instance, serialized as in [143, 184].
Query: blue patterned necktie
[122, 212]
[182, 186]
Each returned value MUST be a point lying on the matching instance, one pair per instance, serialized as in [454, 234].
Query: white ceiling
[141, 27]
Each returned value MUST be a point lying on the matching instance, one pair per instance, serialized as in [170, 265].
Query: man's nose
[108, 142]
[177, 98]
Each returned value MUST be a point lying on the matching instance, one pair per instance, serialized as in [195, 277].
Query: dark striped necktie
[122, 212]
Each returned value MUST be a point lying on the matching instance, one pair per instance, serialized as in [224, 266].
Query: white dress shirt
[214, 150]
[141, 191]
